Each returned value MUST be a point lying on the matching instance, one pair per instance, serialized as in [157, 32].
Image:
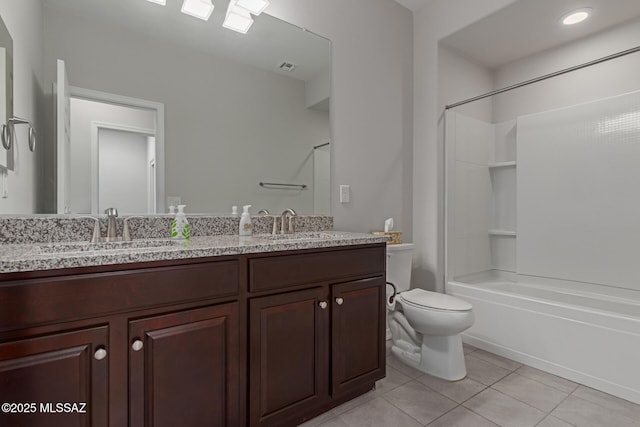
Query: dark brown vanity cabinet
[156, 345]
[313, 348]
[289, 344]
[183, 368]
[253, 340]
[39, 375]
[357, 334]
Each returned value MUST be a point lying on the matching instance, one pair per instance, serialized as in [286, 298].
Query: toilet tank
[399, 265]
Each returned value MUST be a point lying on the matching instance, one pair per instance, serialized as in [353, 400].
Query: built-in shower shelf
[508, 233]
[502, 165]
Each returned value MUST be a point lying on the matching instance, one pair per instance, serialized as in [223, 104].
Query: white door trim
[94, 95]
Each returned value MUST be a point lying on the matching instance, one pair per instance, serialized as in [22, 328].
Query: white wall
[220, 141]
[24, 21]
[603, 80]
[432, 23]
[578, 181]
[122, 170]
[322, 180]
[83, 113]
[371, 106]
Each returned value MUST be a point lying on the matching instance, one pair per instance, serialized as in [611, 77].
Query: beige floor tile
[531, 392]
[353, 403]
[458, 391]
[552, 421]
[583, 413]
[419, 401]
[500, 361]
[483, 371]
[621, 406]
[468, 348]
[319, 420]
[393, 379]
[378, 413]
[336, 422]
[504, 410]
[548, 379]
[402, 367]
[461, 417]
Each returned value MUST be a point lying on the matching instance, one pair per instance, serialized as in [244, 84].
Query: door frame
[126, 101]
[96, 126]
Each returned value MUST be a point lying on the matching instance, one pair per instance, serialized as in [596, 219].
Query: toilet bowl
[425, 330]
[425, 326]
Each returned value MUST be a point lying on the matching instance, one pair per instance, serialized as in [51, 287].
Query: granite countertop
[49, 256]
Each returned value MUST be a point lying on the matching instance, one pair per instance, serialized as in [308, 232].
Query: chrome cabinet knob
[137, 345]
[323, 304]
[100, 354]
[339, 301]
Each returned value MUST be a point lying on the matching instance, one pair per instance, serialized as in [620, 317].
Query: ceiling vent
[288, 66]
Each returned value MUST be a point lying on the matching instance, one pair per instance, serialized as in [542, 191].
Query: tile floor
[496, 392]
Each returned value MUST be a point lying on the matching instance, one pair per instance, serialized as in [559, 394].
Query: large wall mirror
[164, 108]
[6, 89]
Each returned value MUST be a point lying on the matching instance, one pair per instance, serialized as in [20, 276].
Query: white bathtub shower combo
[544, 240]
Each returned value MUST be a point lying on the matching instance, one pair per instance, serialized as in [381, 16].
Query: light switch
[345, 195]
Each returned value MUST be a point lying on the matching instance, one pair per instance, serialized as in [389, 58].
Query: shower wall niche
[482, 225]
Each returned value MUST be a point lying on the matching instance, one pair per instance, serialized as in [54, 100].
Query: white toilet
[425, 326]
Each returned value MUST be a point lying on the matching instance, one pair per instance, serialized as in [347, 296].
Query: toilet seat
[434, 301]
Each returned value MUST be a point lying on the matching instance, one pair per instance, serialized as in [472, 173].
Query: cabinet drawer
[290, 270]
[37, 301]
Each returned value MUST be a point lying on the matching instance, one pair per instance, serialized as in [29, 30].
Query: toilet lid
[435, 300]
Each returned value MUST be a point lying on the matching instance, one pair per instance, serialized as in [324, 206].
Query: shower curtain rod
[322, 145]
[545, 77]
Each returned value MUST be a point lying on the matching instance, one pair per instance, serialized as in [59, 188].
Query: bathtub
[587, 333]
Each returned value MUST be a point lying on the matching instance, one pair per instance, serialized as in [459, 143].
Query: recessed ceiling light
[576, 16]
[198, 8]
[162, 2]
[237, 18]
[254, 6]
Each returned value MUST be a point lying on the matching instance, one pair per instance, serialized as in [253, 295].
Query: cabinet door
[59, 379]
[184, 367]
[288, 345]
[358, 341]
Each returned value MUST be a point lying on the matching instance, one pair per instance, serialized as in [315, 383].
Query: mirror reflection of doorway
[126, 175]
[113, 158]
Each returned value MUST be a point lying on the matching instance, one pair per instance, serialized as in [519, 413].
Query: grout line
[525, 403]
[556, 407]
[437, 418]
[601, 406]
[420, 384]
[548, 385]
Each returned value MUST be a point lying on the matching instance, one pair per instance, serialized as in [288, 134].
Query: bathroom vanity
[259, 333]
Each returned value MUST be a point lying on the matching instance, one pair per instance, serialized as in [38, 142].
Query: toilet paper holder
[395, 291]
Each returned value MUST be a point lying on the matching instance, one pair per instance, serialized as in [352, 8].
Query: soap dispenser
[246, 227]
[180, 228]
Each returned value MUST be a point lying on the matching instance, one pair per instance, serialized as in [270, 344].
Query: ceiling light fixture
[161, 2]
[238, 18]
[576, 16]
[256, 7]
[200, 9]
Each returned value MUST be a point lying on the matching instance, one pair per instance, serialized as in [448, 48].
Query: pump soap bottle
[180, 228]
[246, 227]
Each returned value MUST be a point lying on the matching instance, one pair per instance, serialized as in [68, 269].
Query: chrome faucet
[112, 229]
[95, 235]
[283, 218]
[263, 212]
[126, 233]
